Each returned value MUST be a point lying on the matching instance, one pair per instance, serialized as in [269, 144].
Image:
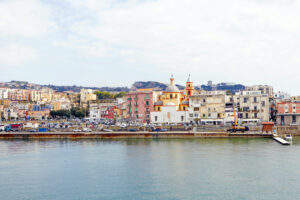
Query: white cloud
[248, 41]
[28, 18]
[16, 54]
[222, 40]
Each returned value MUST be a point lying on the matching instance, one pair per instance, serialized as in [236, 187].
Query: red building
[288, 113]
[107, 110]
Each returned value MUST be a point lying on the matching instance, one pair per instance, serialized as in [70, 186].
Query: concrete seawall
[133, 135]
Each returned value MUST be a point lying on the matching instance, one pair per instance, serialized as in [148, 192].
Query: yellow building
[87, 95]
[173, 96]
[5, 102]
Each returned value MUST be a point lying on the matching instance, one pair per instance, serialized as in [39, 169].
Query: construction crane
[235, 127]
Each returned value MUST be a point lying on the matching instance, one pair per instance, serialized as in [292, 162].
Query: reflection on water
[149, 169]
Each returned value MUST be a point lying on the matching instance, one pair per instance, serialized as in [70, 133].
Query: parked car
[123, 125]
[76, 130]
[132, 130]
[2, 127]
[87, 130]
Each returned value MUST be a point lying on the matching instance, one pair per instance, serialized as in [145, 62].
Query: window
[175, 95]
[182, 118]
[294, 118]
[255, 115]
[171, 96]
[183, 107]
[203, 115]
[240, 115]
[282, 120]
[191, 115]
[245, 100]
[158, 108]
[156, 118]
[147, 96]
[263, 103]
[255, 108]
[196, 108]
[147, 103]
[189, 93]
[254, 99]
[246, 115]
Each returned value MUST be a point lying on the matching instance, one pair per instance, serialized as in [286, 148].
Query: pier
[280, 140]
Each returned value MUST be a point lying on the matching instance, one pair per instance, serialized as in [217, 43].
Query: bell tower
[189, 87]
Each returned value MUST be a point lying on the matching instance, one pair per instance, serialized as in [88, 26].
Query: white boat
[288, 137]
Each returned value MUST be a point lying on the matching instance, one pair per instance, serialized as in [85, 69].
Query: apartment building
[208, 108]
[140, 104]
[264, 89]
[253, 106]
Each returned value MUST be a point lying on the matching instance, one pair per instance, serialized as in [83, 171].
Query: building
[253, 106]
[140, 104]
[264, 89]
[19, 95]
[39, 114]
[95, 112]
[208, 109]
[281, 96]
[288, 112]
[107, 110]
[172, 104]
[87, 95]
[4, 93]
[62, 104]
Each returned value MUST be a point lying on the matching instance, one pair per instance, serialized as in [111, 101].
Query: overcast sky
[117, 42]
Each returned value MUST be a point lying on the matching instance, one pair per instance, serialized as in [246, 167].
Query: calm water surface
[149, 169]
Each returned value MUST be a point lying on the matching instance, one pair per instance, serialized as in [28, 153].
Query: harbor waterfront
[132, 135]
[212, 168]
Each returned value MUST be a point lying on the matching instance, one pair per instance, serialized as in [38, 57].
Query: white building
[4, 93]
[169, 114]
[282, 96]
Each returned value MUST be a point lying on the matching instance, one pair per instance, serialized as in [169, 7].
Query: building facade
[288, 113]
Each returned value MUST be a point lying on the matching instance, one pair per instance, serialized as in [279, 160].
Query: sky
[118, 42]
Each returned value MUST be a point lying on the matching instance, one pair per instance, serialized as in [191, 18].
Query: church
[172, 105]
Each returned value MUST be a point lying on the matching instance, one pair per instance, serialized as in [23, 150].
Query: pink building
[139, 105]
[19, 95]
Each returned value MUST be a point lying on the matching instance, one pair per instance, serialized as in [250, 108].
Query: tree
[79, 112]
[60, 113]
[107, 95]
[120, 95]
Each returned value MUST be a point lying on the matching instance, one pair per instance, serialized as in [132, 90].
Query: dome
[172, 88]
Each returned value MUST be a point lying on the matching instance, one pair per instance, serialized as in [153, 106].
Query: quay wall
[292, 130]
[127, 135]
